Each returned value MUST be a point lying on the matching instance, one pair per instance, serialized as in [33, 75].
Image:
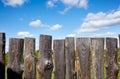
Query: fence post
[2, 55]
[70, 57]
[111, 58]
[59, 55]
[15, 54]
[83, 50]
[45, 65]
[97, 49]
[29, 59]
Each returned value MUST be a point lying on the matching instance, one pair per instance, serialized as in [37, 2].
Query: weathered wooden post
[2, 55]
[83, 50]
[70, 57]
[111, 58]
[59, 55]
[97, 49]
[14, 70]
[29, 59]
[45, 63]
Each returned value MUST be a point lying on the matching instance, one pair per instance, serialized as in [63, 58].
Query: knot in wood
[29, 66]
[48, 65]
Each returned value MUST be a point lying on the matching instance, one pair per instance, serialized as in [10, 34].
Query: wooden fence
[63, 60]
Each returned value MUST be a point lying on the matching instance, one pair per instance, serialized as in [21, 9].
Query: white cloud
[65, 10]
[83, 3]
[104, 34]
[76, 3]
[36, 23]
[96, 21]
[50, 4]
[71, 35]
[24, 34]
[86, 30]
[14, 3]
[69, 4]
[55, 27]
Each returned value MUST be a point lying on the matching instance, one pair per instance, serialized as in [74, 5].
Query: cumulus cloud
[55, 27]
[86, 30]
[71, 35]
[50, 4]
[24, 34]
[36, 23]
[76, 3]
[104, 34]
[96, 21]
[69, 4]
[14, 3]
[65, 10]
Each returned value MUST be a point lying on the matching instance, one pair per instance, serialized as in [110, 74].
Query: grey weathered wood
[45, 63]
[111, 58]
[2, 55]
[59, 55]
[97, 49]
[15, 54]
[83, 50]
[70, 57]
[29, 59]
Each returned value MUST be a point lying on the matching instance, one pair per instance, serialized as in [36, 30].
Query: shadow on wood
[2, 71]
[13, 75]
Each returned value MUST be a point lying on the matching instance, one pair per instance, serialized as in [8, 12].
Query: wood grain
[45, 63]
[97, 49]
[111, 58]
[70, 57]
[29, 59]
[59, 55]
[2, 55]
[15, 54]
[83, 50]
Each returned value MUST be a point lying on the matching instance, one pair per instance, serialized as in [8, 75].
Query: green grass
[6, 62]
[119, 62]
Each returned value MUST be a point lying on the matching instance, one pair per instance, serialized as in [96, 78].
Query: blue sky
[59, 18]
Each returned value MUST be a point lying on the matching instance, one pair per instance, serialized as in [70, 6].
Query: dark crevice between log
[13, 75]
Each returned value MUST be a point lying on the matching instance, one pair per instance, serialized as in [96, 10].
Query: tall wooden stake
[83, 50]
[97, 50]
[14, 70]
[29, 59]
[111, 58]
[70, 57]
[2, 55]
[45, 65]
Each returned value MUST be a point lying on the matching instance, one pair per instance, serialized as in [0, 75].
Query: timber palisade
[69, 58]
